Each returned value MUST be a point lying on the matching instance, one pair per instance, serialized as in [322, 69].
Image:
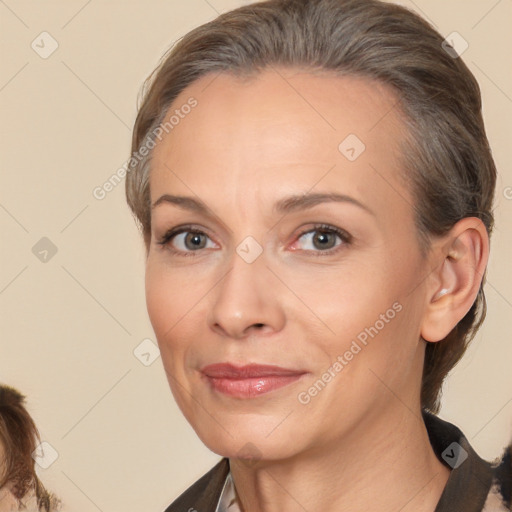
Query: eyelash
[345, 237]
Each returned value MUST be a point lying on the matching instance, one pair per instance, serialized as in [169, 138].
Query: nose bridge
[243, 297]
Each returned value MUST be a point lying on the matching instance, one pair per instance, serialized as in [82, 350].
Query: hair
[446, 159]
[18, 438]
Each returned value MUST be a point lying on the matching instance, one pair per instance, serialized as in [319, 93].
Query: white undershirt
[227, 500]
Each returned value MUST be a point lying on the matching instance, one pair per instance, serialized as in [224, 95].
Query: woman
[314, 187]
[20, 487]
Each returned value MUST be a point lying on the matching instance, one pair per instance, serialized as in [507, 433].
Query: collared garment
[474, 485]
[228, 501]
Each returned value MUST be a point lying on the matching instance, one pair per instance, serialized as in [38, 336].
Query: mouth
[249, 381]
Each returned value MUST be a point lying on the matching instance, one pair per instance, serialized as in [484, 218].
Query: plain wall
[70, 324]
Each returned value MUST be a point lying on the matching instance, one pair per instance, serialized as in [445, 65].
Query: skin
[8, 502]
[360, 443]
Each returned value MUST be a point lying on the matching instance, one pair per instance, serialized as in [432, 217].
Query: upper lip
[231, 371]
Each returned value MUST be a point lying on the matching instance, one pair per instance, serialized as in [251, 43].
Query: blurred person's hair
[19, 438]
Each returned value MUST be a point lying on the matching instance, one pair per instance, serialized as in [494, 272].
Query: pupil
[322, 238]
[194, 239]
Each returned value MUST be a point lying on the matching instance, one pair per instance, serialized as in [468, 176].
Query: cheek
[169, 295]
[166, 306]
[159, 299]
[347, 301]
[365, 312]
[176, 308]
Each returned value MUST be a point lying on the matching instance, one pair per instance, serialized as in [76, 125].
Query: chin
[249, 438]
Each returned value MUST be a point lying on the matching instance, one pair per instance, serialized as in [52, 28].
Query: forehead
[283, 128]
[316, 103]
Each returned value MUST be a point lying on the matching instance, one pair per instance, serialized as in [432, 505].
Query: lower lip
[251, 387]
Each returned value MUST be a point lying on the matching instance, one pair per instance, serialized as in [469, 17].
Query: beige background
[70, 324]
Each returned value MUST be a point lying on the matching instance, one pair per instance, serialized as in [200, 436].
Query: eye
[322, 238]
[186, 239]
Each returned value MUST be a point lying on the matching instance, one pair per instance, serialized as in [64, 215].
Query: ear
[461, 258]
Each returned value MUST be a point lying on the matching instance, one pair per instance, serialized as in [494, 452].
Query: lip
[249, 381]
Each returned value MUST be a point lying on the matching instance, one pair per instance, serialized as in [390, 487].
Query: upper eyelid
[194, 229]
[344, 235]
[172, 233]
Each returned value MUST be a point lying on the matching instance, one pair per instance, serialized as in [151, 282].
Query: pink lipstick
[249, 381]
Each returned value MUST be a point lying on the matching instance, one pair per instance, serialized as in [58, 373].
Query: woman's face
[267, 269]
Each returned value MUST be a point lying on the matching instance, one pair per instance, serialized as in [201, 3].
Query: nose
[246, 301]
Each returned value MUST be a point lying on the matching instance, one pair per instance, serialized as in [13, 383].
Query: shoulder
[474, 485]
[500, 494]
[204, 494]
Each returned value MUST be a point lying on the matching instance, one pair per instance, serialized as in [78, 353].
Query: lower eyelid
[345, 239]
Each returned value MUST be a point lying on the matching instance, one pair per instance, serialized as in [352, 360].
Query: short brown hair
[446, 159]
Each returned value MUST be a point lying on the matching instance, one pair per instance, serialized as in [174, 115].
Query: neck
[386, 464]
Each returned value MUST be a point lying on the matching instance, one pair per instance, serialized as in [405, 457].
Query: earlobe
[456, 280]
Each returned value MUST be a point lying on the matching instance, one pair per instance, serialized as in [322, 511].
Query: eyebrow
[286, 205]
